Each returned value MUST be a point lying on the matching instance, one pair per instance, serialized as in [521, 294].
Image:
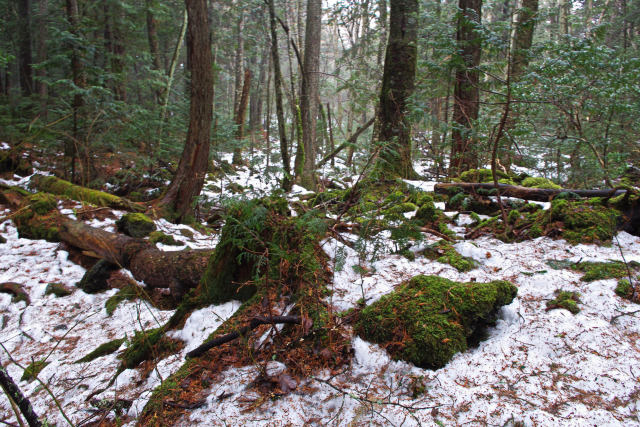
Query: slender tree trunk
[239, 60]
[189, 178]
[24, 47]
[519, 61]
[41, 73]
[72, 146]
[240, 117]
[309, 95]
[397, 86]
[332, 143]
[15, 395]
[118, 54]
[154, 45]
[277, 83]
[464, 153]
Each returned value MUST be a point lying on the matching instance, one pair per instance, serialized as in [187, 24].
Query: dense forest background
[82, 81]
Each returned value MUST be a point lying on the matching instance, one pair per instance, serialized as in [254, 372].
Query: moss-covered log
[53, 185]
[527, 193]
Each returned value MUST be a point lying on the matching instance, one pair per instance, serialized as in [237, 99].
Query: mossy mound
[57, 289]
[32, 371]
[442, 251]
[604, 270]
[429, 319]
[539, 182]
[565, 299]
[95, 279]
[481, 175]
[165, 239]
[37, 218]
[102, 350]
[584, 222]
[135, 225]
[146, 345]
[626, 290]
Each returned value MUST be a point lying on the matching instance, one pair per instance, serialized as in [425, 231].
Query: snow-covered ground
[537, 367]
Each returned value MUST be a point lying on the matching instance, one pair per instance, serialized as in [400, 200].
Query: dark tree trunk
[309, 95]
[239, 61]
[41, 73]
[77, 72]
[189, 178]
[277, 79]
[154, 45]
[24, 47]
[527, 193]
[394, 129]
[240, 117]
[464, 152]
[15, 394]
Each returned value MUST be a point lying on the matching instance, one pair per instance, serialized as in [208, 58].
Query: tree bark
[240, 116]
[189, 178]
[309, 95]
[14, 393]
[77, 71]
[41, 52]
[24, 47]
[277, 83]
[397, 86]
[464, 153]
[154, 45]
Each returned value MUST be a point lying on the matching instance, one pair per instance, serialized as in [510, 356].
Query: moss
[402, 208]
[95, 279]
[102, 350]
[603, 270]
[128, 293]
[567, 195]
[514, 215]
[429, 319]
[165, 239]
[32, 371]
[135, 224]
[145, 345]
[54, 185]
[328, 197]
[625, 290]
[565, 299]
[442, 251]
[539, 182]
[481, 175]
[583, 222]
[57, 289]
[37, 218]
[427, 213]
[41, 203]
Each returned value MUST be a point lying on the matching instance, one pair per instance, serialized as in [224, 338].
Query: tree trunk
[240, 117]
[41, 73]
[464, 152]
[309, 95]
[521, 45]
[24, 47]
[397, 86]
[239, 60]
[77, 71]
[154, 45]
[277, 80]
[189, 178]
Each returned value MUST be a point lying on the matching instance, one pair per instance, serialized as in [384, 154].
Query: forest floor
[536, 366]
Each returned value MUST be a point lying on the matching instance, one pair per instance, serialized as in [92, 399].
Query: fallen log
[60, 187]
[527, 193]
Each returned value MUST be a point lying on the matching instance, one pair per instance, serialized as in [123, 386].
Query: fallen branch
[255, 322]
[16, 290]
[350, 141]
[14, 394]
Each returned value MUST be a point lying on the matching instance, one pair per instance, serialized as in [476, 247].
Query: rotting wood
[15, 289]
[527, 193]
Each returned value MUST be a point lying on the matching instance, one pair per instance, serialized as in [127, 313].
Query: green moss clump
[514, 215]
[539, 182]
[565, 299]
[135, 225]
[601, 270]
[626, 290]
[328, 197]
[442, 251]
[127, 293]
[481, 175]
[102, 350]
[145, 345]
[427, 212]
[32, 371]
[429, 319]
[42, 203]
[57, 289]
[165, 239]
[583, 222]
[402, 208]
[37, 218]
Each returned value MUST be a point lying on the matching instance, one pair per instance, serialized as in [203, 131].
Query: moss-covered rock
[57, 289]
[429, 319]
[539, 182]
[31, 372]
[102, 350]
[165, 239]
[583, 222]
[442, 251]
[626, 290]
[565, 299]
[135, 225]
[95, 279]
[145, 345]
